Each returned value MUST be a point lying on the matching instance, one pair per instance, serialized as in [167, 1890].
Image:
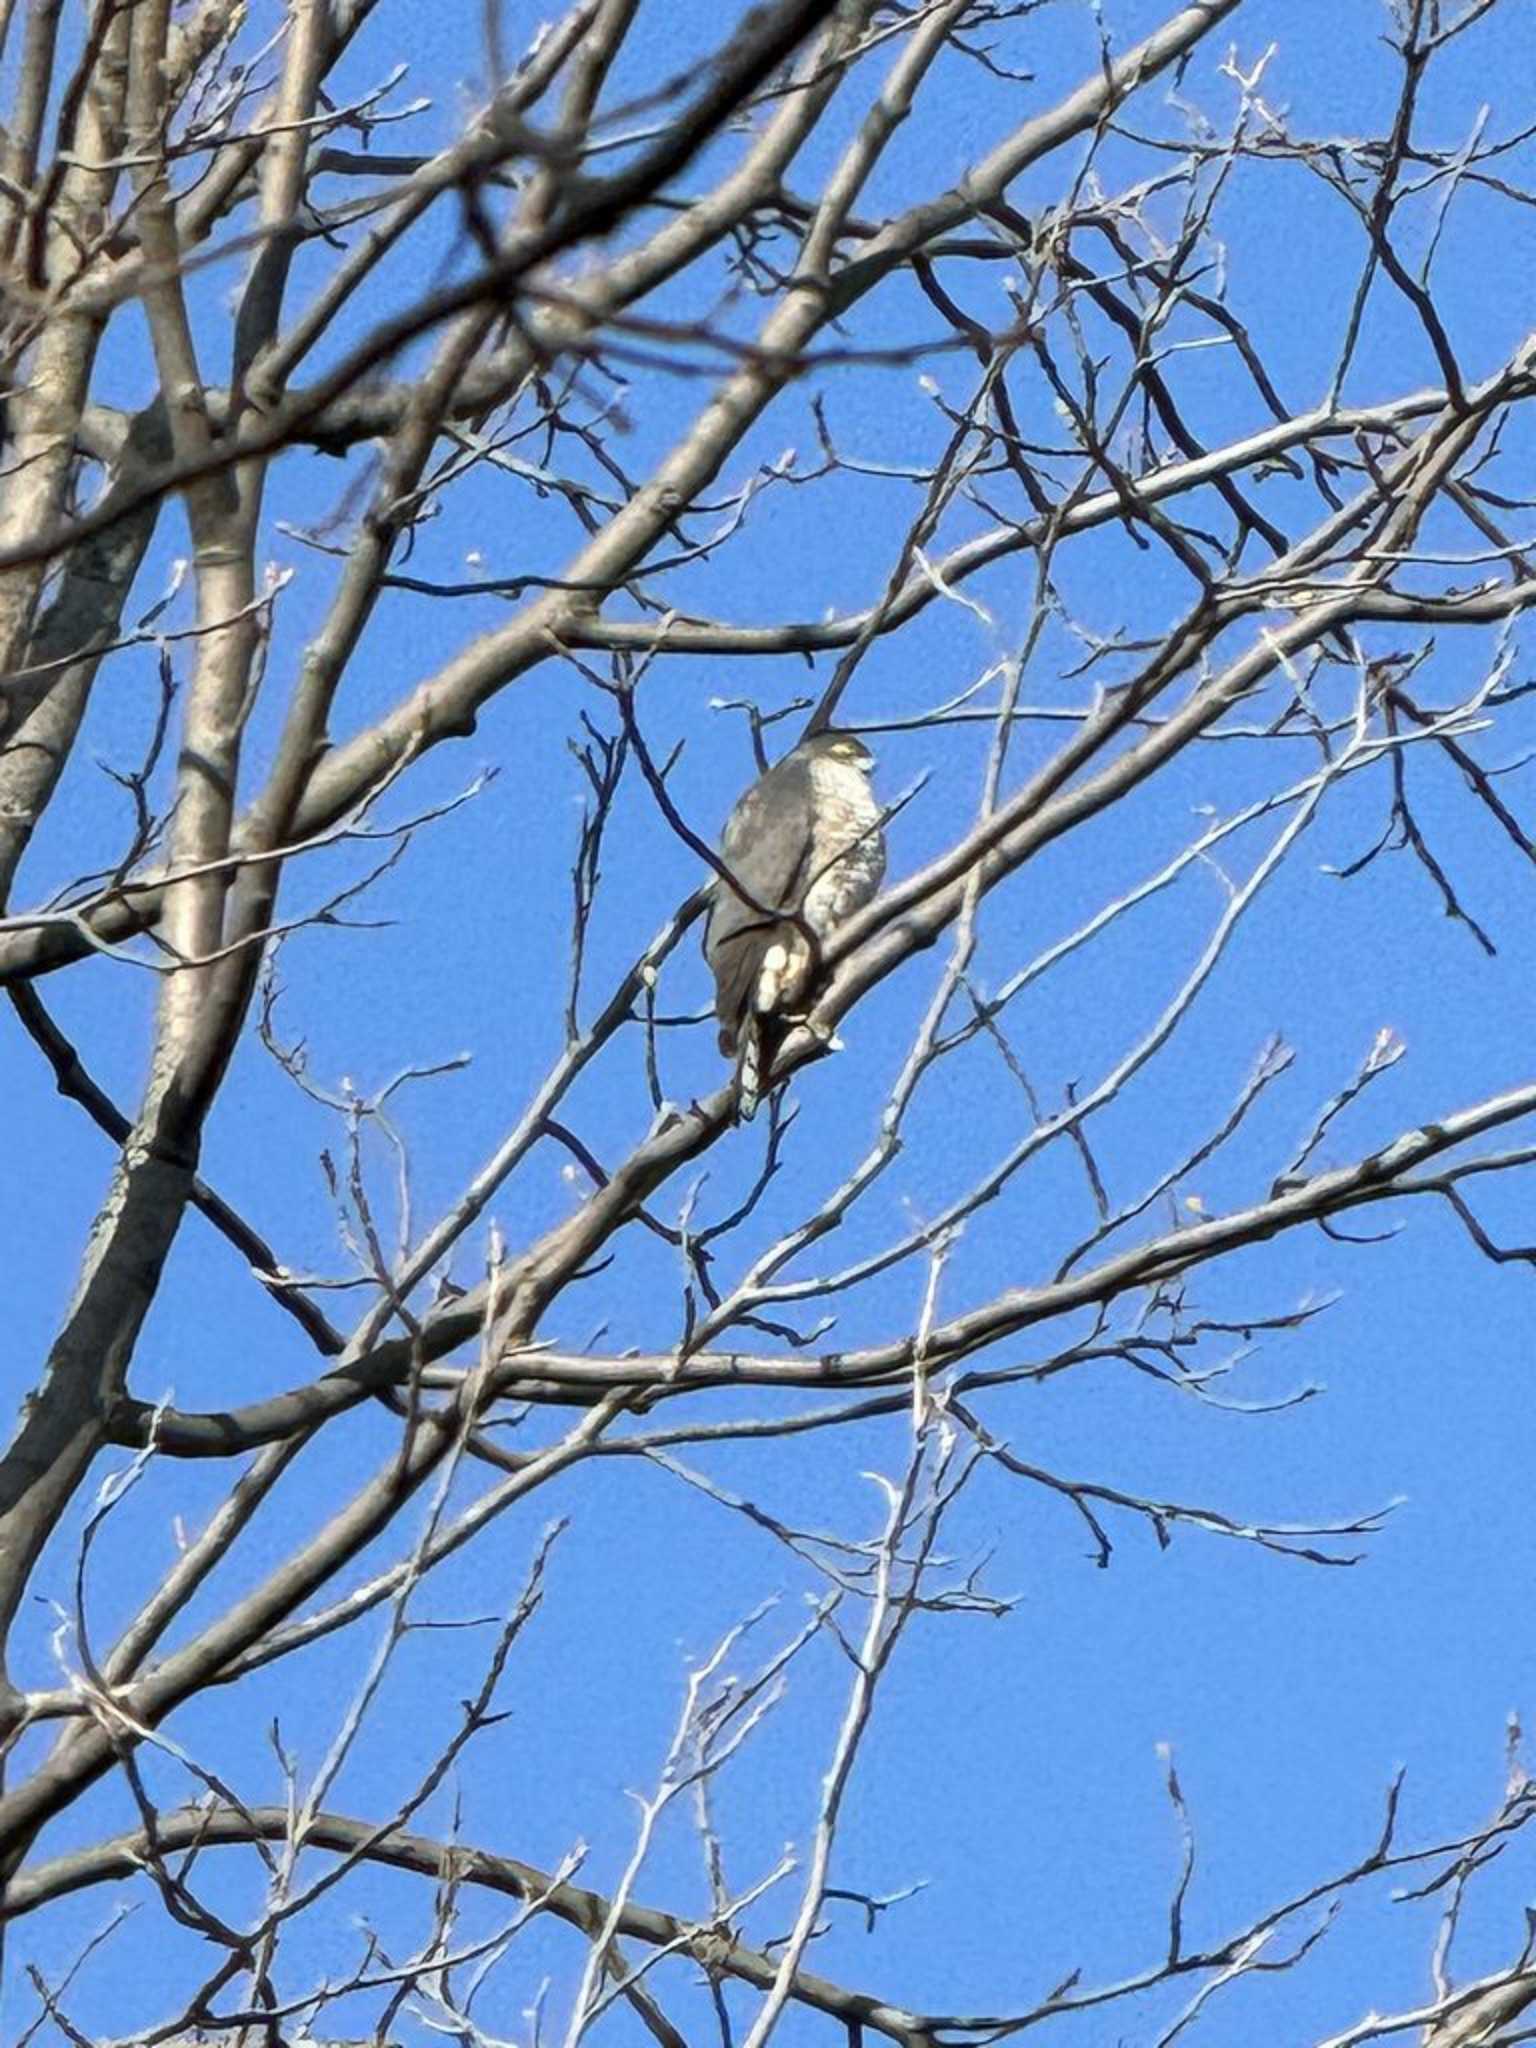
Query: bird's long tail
[779, 976]
[751, 1059]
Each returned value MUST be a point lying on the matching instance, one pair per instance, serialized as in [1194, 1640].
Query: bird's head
[845, 747]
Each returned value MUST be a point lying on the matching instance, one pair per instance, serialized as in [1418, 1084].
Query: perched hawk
[805, 839]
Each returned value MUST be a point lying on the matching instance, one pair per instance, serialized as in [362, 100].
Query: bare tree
[406, 428]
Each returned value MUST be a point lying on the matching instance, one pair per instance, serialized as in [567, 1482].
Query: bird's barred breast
[849, 852]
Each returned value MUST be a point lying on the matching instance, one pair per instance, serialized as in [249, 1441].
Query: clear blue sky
[1014, 1763]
